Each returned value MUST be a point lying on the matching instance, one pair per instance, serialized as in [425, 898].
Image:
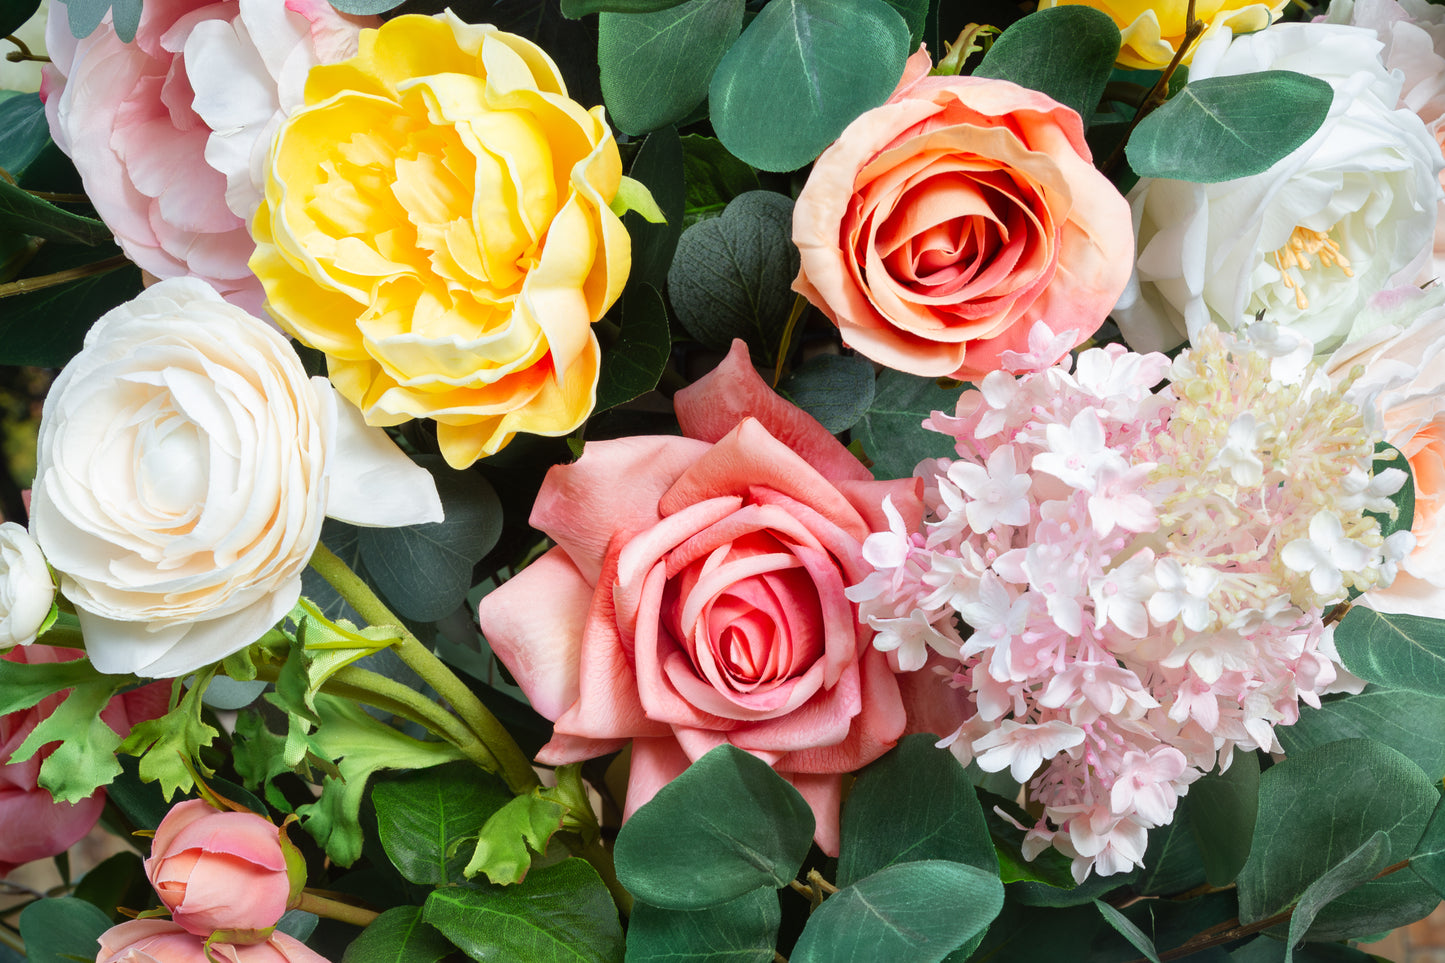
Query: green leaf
[13, 14]
[141, 803]
[23, 128]
[1065, 52]
[84, 761]
[743, 930]
[62, 930]
[732, 276]
[834, 388]
[581, 8]
[23, 685]
[915, 15]
[1398, 651]
[659, 165]
[560, 914]
[1428, 859]
[425, 571]
[1394, 717]
[505, 844]
[46, 327]
[167, 743]
[892, 431]
[919, 911]
[914, 803]
[1173, 863]
[423, 817]
[800, 73]
[713, 177]
[655, 67]
[1318, 807]
[633, 197]
[634, 365]
[119, 880]
[1223, 810]
[1388, 456]
[1050, 868]
[365, 8]
[727, 825]
[1356, 869]
[1128, 930]
[85, 16]
[24, 213]
[399, 935]
[1221, 128]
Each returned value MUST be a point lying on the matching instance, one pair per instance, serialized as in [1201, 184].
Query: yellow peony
[437, 222]
[1153, 31]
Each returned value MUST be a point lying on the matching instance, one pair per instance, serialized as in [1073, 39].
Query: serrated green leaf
[24, 684]
[743, 930]
[1318, 807]
[727, 825]
[425, 571]
[1065, 52]
[655, 67]
[56, 930]
[559, 913]
[423, 818]
[1393, 717]
[634, 365]
[892, 431]
[399, 935]
[84, 760]
[1126, 928]
[712, 176]
[1222, 816]
[835, 389]
[1221, 128]
[23, 128]
[919, 911]
[503, 852]
[166, 744]
[802, 71]
[1394, 650]
[732, 276]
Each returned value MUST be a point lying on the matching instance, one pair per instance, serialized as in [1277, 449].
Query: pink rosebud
[222, 871]
[161, 941]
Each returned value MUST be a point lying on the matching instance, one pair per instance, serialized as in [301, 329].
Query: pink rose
[127, 115]
[161, 941]
[219, 870]
[696, 597]
[32, 824]
[943, 224]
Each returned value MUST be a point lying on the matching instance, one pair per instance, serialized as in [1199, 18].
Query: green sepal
[633, 195]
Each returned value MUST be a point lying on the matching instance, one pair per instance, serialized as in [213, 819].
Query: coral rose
[437, 222]
[223, 871]
[696, 597]
[161, 941]
[185, 464]
[32, 824]
[1152, 30]
[943, 224]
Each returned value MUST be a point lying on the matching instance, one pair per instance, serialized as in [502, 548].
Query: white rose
[1349, 213]
[185, 463]
[26, 592]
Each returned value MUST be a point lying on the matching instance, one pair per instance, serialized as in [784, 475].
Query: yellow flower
[437, 222]
[1153, 30]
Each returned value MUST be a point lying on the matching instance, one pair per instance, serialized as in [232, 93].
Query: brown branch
[1160, 91]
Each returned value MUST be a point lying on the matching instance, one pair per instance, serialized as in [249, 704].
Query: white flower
[1021, 749]
[185, 463]
[998, 494]
[1306, 242]
[26, 592]
[1326, 554]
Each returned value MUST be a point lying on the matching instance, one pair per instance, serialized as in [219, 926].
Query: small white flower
[1021, 748]
[27, 593]
[998, 493]
[1184, 592]
[1239, 456]
[1326, 554]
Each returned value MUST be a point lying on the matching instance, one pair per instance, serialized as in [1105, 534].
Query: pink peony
[696, 597]
[219, 870]
[126, 114]
[32, 824]
[161, 941]
[943, 224]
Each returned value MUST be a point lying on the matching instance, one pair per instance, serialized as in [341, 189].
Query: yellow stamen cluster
[1304, 247]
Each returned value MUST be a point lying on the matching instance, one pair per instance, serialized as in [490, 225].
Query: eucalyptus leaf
[13, 14]
[1221, 128]
[581, 8]
[399, 935]
[1428, 859]
[712, 177]
[365, 8]
[915, 15]
[834, 388]
[24, 213]
[24, 131]
[659, 165]
[118, 880]
[729, 824]
[1387, 456]
[1066, 52]
[634, 365]
[918, 911]
[1393, 717]
[1173, 862]
[802, 71]
[891, 430]
[86, 15]
[46, 327]
[62, 930]
[1395, 650]
[558, 913]
[732, 276]
[423, 818]
[743, 930]
[1223, 810]
[1356, 869]
[655, 67]
[1126, 928]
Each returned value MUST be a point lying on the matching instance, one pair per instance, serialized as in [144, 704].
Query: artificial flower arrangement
[801, 480]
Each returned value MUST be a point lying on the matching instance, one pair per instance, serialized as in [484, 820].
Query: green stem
[513, 765]
[311, 902]
[63, 634]
[601, 859]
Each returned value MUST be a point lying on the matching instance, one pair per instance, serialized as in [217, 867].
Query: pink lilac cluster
[1128, 582]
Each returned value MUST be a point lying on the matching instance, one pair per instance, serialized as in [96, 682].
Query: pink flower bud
[161, 941]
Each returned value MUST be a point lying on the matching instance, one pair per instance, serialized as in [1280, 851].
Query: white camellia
[1349, 213]
[185, 464]
[26, 592]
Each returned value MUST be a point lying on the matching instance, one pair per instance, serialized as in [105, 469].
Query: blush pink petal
[824, 795]
[655, 763]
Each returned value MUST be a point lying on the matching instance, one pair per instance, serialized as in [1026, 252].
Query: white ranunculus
[26, 592]
[185, 464]
[1349, 213]
[249, 73]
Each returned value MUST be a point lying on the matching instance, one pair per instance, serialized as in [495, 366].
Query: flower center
[1304, 247]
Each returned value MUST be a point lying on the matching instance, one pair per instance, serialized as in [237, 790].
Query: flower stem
[311, 902]
[27, 285]
[512, 764]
